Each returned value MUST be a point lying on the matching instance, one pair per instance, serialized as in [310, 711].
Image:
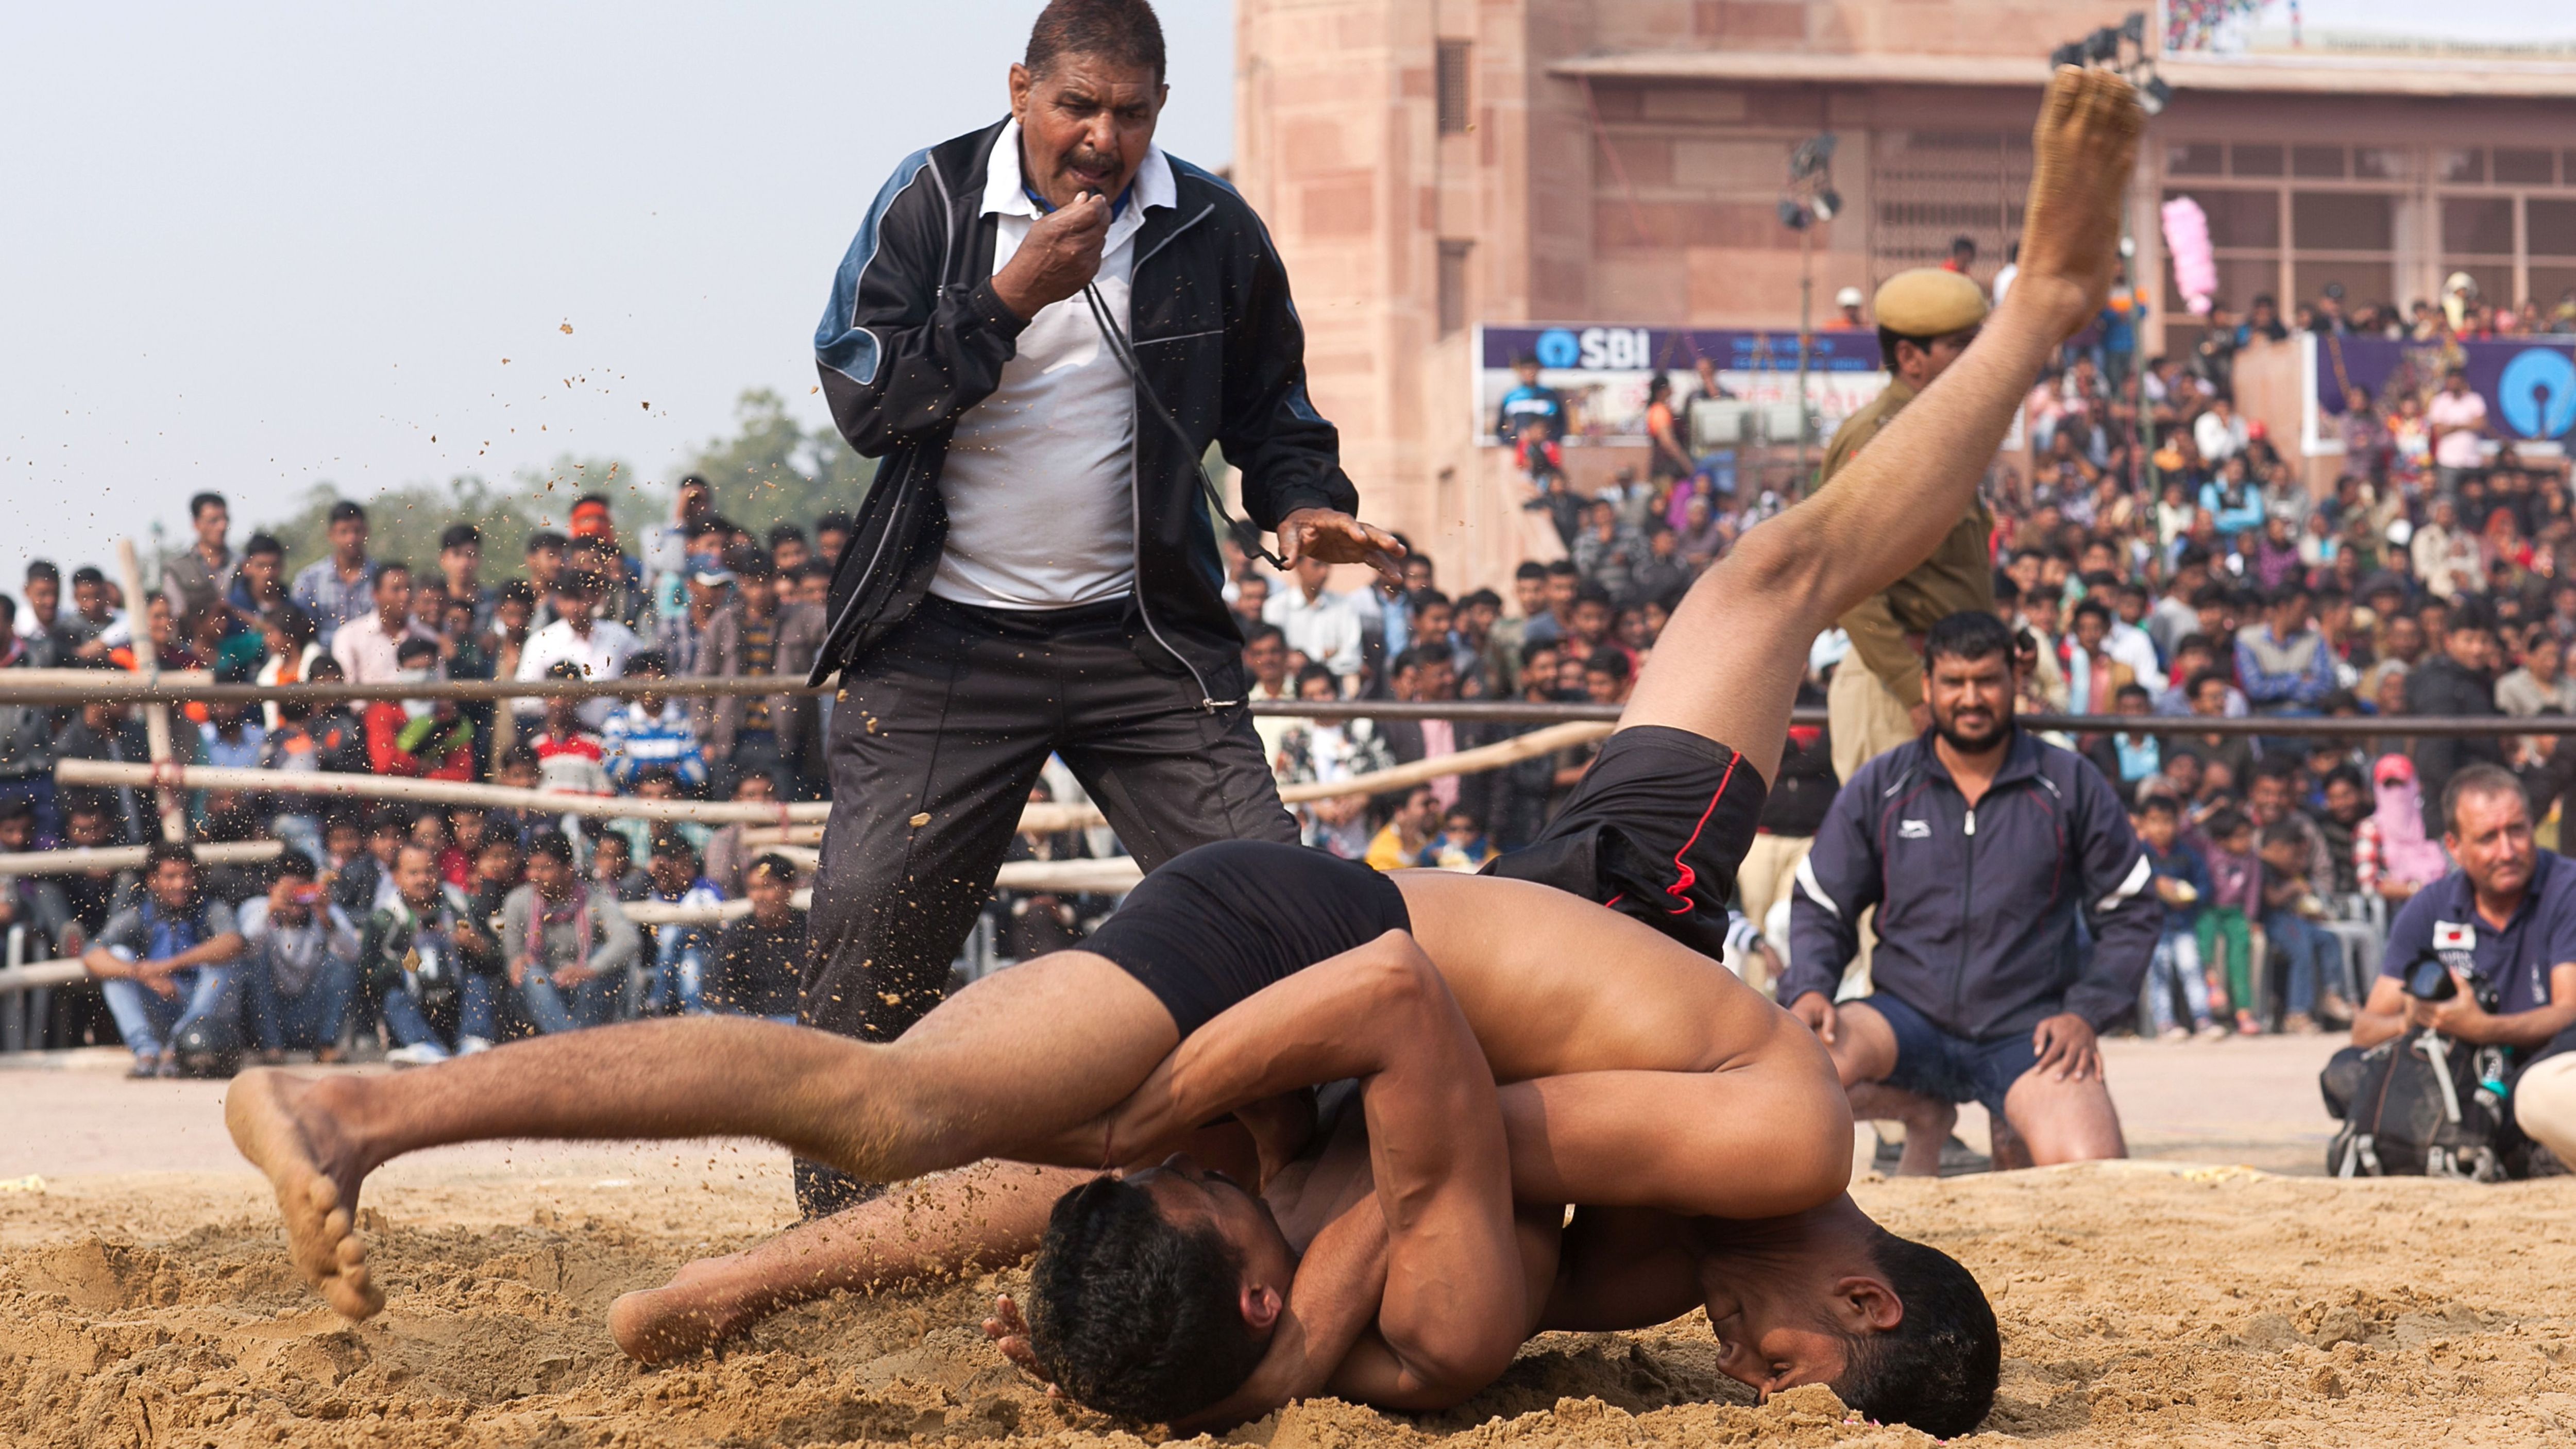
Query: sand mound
[2139, 1307]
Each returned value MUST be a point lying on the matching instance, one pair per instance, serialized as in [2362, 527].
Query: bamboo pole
[1041, 818]
[147, 661]
[129, 857]
[36, 974]
[434, 792]
[1115, 875]
[1465, 762]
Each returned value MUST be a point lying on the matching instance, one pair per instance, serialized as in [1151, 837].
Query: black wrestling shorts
[1655, 830]
[1218, 923]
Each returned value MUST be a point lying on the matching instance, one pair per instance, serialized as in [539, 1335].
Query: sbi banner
[1603, 372]
[2529, 382]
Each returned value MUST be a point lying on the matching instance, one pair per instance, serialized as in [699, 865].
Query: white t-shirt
[601, 656]
[2466, 412]
[1040, 476]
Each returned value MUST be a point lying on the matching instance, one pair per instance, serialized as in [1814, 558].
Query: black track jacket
[1977, 908]
[914, 336]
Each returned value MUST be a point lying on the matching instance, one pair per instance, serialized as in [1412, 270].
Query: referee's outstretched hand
[1058, 257]
[1333, 536]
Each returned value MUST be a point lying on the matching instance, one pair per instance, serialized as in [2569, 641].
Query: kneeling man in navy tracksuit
[1980, 845]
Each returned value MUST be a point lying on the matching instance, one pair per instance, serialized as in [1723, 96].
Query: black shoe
[1958, 1159]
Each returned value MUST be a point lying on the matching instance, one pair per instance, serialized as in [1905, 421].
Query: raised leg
[1728, 665]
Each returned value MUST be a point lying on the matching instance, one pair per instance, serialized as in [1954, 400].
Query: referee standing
[1039, 330]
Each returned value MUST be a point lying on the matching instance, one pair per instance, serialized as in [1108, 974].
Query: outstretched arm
[1728, 665]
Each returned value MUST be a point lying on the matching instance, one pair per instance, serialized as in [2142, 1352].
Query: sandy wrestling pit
[2142, 1304]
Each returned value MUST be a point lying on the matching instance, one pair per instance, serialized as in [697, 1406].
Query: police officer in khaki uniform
[1926, 318]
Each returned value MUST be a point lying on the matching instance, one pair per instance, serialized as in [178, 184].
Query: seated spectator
[427, 967]
[2459, 681]
[2504, 926]
[759, 961]
[32, 903]
[724, 851]
[339, 741]
[2391, 858]
[1329, 752]
[651, 732]
[2540, 682]
[387, 828]
[2226, 923]
[2285, 666]
[760, 634]
[568, 946]
[1605, 677]
[568, 756]
[369, 647]
[1400, 844]
[165, 964]
[1034, 923]
[659, 784]
[2126, 759]
[91, 898]
[301, 967]
[466, 832]
[2182, 884]
[2290, 911]
[675, 978]
[2347, 805]
[1461, 845]
[418, 738]
[596, 648]
[348, 870]
[1319, 623]
[516, 768]
[613, 868]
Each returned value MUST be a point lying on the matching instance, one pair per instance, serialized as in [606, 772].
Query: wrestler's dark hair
[1968, 636]
[1132, 1315]
[1937, 1369]
[1124, 31]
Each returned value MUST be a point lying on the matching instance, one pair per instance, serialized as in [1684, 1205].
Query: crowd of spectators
[2164, 558]
[435, 929]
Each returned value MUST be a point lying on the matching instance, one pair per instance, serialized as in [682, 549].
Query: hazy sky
[253, 246]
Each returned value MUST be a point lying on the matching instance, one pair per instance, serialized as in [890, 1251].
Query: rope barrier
[777, 822]
[432, 792]
[66, 687]
[77, 859]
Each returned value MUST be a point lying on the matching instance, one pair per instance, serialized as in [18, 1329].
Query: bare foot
[699, 1308]
[316, 1178]
[2083, 152]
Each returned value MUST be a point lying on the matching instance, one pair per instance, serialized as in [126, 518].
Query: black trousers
[935, 741]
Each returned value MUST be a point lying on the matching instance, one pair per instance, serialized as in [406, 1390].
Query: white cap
[1847, 297]
[1829, 650]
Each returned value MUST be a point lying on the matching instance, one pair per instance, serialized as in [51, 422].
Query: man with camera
[2486, 956]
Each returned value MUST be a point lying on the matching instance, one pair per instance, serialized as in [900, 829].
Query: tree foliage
[773, 470]
[770, 470]
[405, 522]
